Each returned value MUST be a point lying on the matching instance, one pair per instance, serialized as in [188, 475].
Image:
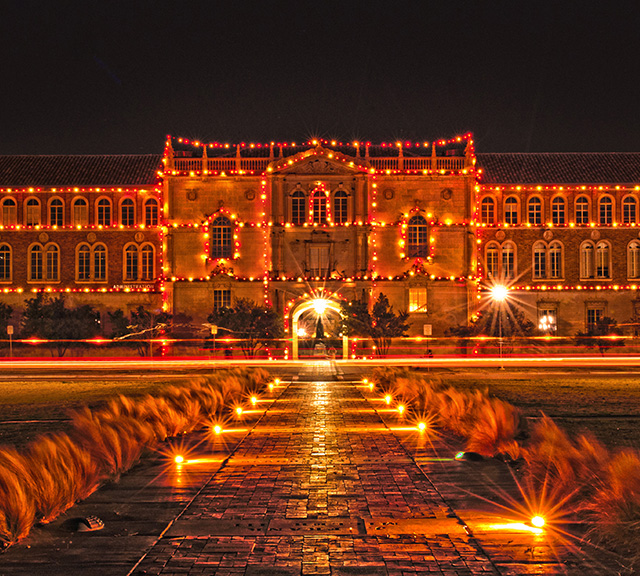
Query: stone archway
[311, 303]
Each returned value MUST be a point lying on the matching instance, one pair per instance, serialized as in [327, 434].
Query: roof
[560, 168]
[80, 170]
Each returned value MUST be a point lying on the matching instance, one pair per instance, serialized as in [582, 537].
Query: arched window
[103, 214]
[633, 259]
[488, 210]
[491, 259]
[539, 260]
[127, 212]
[5, 263]
[603, 260]
[558, 211]
[535, 211]
[587, 260]
[56, 212]
[221, 235]
[83, 268]
[36, 269]
[319, 207]
[606, 210]
[147, 262]
[298, 210]
[52, 262]
[44, 263]
[340, 207]
[511, 210]
[418, 237]
[629, 210]
[32, 213]
[555, 260]
[131, 262]
[80, 212]
[582, 210]
[508, 260]
[91, 263]
[99, 263]
[9, 212]
[151, 212]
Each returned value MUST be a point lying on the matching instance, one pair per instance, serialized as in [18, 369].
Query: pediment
[319, 160]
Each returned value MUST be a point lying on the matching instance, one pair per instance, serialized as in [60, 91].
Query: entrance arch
[318, 304]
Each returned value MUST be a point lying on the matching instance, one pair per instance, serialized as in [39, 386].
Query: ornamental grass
[57, 470]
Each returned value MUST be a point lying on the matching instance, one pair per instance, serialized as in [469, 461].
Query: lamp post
[214, 331]
[499, 294]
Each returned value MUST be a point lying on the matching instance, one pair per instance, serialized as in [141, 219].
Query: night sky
[116, 77]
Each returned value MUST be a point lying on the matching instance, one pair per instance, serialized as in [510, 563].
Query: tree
[50, 319]
[602, 335]
[381, 324]
[487, 323]
[142, 327]
[5, 317]
[253, 325]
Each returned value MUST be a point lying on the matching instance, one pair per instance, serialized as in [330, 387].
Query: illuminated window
[535, 211]
[151, 212]
[103, 216]
[32, 212]
[340, 204]
[582, 210]
[539, 260]
[558, 211]
[298, 209]
[492, 260]
[56, 212]
[221, 298]
[319, 260]
[417, 299]
[586, 260]
[629, 210]
[221, 236]
[508, 261]
[606, 210]
[9, 212]
[511, 210]
[555, 260]
[127, 212]
[319, 207]
[633, 259]
[488, 210]
[147, 261]
[91, 264]
[417, 237]
[131, 262]
[548, 319]
[603, 260]
[5, 263]
[80, 212]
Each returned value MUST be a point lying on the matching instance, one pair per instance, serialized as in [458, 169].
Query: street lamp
[499, 294]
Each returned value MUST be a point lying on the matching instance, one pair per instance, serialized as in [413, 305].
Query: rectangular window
[52, 264]
[100, 264]
[36, 264]
[84, 265]
[547, 319]
[539, 263]
[319, 260]
[131, 265]
[80, 214]
[221, 298]
[594, 315]
[508, 263]
[417, 299]
[629, 212]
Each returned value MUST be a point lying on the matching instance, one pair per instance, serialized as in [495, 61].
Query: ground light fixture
[388, 399]
[401, 409]
[254, 400]
[422, 426]
[179, 459]
[371, 385]
[239, 410]
[271, 386]
[217, 429]
[538, 521]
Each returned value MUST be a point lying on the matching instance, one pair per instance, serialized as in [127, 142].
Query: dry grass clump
[57, 470]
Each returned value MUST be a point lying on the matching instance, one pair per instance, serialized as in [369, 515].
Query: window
[548, 319]
[147, 271]
[52, 262]
[595, 313]
[418, 237]
[606, 210]
[104, 212]
[319, 260]
[492, 260]
[586, 260]
[511, 210]
[629, 210]
[603, 260]
[44, 263]
[91, 263]
[221, 298]
[319, 207]
[487, 211]
[35, 263]
[298, 212]
[56, 212]
[558, 211]
[151, 212]
[418, 299]
[582, 210]
[5, 263]
[131, 262]
[221, 238]
[633, 259]
[32, 212]
[539, 260]
[508, 261]
[535, 211]
[127, 212]
[340, 203]
[9, 212]
[555, 260]
[80, 212]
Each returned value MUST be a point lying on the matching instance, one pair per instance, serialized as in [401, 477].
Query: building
[431, 225]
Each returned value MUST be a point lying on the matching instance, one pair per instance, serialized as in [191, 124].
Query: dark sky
[116, 77]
